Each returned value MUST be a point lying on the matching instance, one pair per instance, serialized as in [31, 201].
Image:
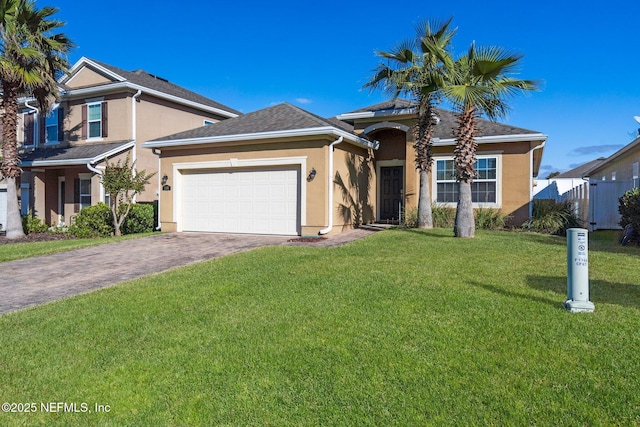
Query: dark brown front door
[390, 192]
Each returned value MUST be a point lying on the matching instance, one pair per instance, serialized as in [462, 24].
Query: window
[95, 120]
[484, 188]
[613, 176]
[635, 174]
[208, 122]
[53, 126]
[85, 192]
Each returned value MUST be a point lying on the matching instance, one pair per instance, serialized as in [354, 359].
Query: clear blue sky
[253, 54]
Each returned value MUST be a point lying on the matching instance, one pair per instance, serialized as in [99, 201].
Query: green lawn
[402, 328]
[11, 252]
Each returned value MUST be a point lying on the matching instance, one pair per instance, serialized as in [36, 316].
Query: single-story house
[284, 170]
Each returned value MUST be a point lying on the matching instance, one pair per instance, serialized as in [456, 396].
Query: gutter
[541, 146]
[330, 183]
[134, 124]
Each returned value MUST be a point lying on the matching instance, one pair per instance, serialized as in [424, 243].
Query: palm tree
[478, 83]
[31, 57]
[412, 69]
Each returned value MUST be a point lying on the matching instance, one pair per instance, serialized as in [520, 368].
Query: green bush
[443, 216]
[629, 209]
[552, 217]
[32, 224]
[93, 221]
[490, 219]
[139, 219]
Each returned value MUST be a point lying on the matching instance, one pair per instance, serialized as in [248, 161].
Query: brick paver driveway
[32, 281]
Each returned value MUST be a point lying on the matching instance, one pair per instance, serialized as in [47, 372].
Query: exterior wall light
[164, 180]
[312, 174]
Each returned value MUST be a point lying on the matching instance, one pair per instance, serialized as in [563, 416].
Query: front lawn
[402, 328]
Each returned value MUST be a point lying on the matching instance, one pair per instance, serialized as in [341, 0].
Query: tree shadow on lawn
[431, 232]
[555, 303]
[623, 294]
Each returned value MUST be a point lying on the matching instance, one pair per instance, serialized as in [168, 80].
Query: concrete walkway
[33, 281]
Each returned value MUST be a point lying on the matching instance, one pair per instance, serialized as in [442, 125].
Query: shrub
[552, 217]
[629, 208]
[490, 219]
[93, 221]
[443, 216]
[139, 219]
[32, 224]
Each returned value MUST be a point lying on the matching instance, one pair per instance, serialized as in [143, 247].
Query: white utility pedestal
[578, 271]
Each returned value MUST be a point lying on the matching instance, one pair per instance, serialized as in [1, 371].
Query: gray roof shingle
[70, 153]
[148, 80]
[281, 117]
[445, 129]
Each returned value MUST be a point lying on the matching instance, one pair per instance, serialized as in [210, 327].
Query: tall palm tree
[412, 69]
[478, 83]
[31, 57]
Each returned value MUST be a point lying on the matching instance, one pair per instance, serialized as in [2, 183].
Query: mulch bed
[307, 239]
[36, 237]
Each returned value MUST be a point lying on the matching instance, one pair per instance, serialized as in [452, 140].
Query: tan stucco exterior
[307, 154]
[128, 119]
[620, 164]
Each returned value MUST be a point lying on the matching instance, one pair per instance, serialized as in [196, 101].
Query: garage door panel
[246, 201]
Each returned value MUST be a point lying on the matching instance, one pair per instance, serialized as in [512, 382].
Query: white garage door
[3, 207]
[255, 201]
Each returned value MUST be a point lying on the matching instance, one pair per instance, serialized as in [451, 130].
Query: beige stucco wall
[314, 151]
[155, 117]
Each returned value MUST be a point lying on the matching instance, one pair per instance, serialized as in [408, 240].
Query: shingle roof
[581, 170]
[281, 117]
[148, 80]
[70, 153]
[445, 129]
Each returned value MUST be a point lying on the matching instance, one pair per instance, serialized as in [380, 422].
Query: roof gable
[278, 121]
[104, 74]
[445, 129]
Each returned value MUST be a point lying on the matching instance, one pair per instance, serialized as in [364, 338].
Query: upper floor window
[53, 126]
[208, 122]
[94, 120]
[484, 188]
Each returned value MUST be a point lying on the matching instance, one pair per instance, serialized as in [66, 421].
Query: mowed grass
[402, 328]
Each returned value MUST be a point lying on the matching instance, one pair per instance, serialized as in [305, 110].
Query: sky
[250, 55]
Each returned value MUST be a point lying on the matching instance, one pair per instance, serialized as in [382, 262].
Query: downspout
[531, 179]
[134, 126]
[99, 173]
[36, 132]
[330, 189]
[153, 150]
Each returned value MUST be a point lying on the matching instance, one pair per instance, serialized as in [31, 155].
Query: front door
[391, 179]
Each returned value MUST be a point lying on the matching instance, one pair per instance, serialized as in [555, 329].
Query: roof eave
[81, 161]
[381, 113]
[265, 135]
[113, 87]
[495, 139]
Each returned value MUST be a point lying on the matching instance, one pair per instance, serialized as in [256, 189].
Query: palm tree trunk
[10, 169]
[465, 225]
[425, 216]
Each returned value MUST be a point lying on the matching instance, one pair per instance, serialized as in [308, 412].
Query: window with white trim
[208, 122]
[636, 170]
[484, 188]
[613, 176]
[52, 127]
[85, 190]
[94, 119]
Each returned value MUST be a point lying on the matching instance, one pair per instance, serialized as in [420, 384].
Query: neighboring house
[609, 180]
[570, 186]
[277, 170]
[104, 113]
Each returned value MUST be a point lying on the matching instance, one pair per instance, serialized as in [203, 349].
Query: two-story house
[104, 113]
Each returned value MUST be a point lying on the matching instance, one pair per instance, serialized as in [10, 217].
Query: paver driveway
[32, 281]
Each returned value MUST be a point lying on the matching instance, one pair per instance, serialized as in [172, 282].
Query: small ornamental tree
[121, 181]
